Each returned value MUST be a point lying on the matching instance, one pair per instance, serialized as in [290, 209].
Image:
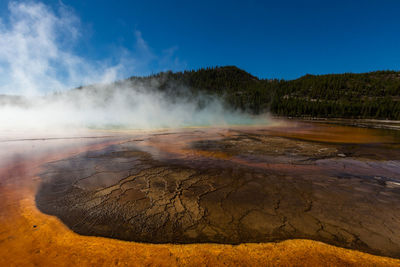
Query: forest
[373, 95]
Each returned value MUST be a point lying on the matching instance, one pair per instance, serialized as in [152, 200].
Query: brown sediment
[329, 133]
[28, 237]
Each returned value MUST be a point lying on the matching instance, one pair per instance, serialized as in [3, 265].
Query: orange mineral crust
[31, 238]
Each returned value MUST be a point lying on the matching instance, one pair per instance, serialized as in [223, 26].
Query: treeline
[365, 95]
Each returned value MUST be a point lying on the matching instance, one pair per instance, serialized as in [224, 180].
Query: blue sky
[270, 39]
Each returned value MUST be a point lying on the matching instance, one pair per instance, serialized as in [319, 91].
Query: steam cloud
[37, 60]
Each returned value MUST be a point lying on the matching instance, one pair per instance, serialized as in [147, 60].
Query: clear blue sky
[270, 39]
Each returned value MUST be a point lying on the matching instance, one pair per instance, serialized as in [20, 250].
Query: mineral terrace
[231, 186]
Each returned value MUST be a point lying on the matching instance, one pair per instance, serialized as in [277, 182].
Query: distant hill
[237, 88]
[373, 95]
[366, 95]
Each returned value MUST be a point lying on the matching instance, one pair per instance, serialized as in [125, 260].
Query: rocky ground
[231, 187]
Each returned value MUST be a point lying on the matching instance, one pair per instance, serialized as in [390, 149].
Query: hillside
[366, 95]
[237, 88]
[373, 95]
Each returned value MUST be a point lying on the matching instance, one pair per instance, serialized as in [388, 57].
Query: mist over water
[119, 107]
[38, 68]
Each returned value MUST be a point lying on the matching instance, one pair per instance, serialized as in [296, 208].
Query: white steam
[37, 59]
[36, 52]
[126, 105]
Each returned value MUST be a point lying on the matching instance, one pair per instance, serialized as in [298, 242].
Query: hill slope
[372, 95]
[365, 95]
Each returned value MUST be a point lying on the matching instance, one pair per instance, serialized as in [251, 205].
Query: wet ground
[335, 184]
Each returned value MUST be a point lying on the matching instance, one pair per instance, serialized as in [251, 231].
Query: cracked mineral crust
[241, 187]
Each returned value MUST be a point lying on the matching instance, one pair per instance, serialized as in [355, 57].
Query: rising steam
[38, 68]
